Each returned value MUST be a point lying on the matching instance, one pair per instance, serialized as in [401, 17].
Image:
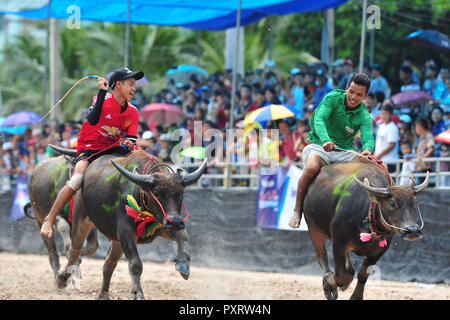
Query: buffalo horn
[143, 180]
[423, 185]
[68, 152]
[190, 178]
[366, 185]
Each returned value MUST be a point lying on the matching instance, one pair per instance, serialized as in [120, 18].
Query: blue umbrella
[431, 38]
[21, 118]
[183, 72]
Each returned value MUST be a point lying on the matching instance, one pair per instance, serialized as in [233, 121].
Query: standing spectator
[258, 100]
[190, 103]
[386, 142]
[408, 166]
[431, 81]
[405, 75]
[442, 92]
[288, 142]
[271, 96]
[437, 120]
[406, 134]
[415, 72]
[378, 82]
[297, 95]
[244, 103]
[425, 146]
[164, 153]
[310, 86]
[322, 87]
[347, 69]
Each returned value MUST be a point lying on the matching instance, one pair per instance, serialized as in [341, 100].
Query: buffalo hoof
[183, 269]
[103, 296]
[61, 279]
[329, 291]
[136, 295]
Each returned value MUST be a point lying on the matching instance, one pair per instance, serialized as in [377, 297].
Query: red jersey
[111, 126]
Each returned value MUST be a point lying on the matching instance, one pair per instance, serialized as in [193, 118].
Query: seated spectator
[302, 126]
[425, 146]
[445, 166]
[442, 92]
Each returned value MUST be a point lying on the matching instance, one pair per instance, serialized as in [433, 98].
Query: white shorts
[328, 157]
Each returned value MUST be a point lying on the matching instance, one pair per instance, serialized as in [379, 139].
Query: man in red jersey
[112, 118]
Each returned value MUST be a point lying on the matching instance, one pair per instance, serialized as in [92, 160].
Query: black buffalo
[102, 201]
[337, 208]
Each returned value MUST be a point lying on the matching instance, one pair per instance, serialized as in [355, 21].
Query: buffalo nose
[414, 229]
[175, 223]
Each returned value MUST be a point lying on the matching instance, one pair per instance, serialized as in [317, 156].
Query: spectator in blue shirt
[431, 82]
[322, 87]
[378, 82]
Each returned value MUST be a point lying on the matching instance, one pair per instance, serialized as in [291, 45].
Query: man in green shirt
[335, 123]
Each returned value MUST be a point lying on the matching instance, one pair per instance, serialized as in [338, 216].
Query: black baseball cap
[123, 74]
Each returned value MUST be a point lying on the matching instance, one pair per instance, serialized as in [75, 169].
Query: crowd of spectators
[406, 132]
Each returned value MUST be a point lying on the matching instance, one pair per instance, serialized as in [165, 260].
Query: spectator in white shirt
[386, 142]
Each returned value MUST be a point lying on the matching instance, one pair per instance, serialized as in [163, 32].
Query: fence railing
[245, 175]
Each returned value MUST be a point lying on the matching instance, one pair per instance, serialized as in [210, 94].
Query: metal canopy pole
[46, 59]
[127, 37]
[363, 37]
[233, 87]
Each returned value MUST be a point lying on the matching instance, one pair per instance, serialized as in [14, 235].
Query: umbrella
[183, 72]
[142, 82]
[194, 152]
[443, 137]
[430, 38]
[21, 118]
[410, 97]
[162, 113]
[270, 112]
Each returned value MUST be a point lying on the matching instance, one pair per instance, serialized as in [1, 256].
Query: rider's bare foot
[47, 229]
[295, 220]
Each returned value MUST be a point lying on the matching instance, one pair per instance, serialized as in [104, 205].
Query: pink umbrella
[162, 113]
[443, 137]
[410, 98]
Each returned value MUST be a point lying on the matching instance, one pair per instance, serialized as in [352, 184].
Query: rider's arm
[94, 116]
[367, 134]
[324, 111]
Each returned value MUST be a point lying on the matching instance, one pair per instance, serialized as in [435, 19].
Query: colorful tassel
[383, 243]
[365, 237]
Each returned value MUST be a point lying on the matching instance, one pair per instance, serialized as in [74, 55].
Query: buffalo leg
[343, 276]
[184, 259]
[363, 274]
[81, 227]
[127, 238]
[63, 228]
[318, 240]
[53, 256]
[114, 253]
[91, 244]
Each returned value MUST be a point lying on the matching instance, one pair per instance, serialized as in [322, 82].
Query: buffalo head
[398, 207]
[167, 188]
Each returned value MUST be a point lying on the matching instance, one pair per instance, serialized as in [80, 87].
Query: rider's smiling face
[355, 94]
[127, 88]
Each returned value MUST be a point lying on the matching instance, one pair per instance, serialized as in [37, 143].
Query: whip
[67, 93]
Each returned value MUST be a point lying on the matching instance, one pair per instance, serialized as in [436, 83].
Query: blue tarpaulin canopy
[194, 14]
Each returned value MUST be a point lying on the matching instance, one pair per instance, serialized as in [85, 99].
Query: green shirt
[331, 122]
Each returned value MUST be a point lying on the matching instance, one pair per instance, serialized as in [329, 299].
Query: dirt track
[29, 277]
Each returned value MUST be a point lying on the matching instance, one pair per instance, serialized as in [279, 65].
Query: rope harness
[378, 230]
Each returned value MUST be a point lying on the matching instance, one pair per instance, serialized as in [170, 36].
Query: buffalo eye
[392, 203]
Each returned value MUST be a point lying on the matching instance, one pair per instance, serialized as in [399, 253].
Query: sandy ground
[29, 277]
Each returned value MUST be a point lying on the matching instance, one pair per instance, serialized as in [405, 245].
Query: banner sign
[276, 198]
[21, 198]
